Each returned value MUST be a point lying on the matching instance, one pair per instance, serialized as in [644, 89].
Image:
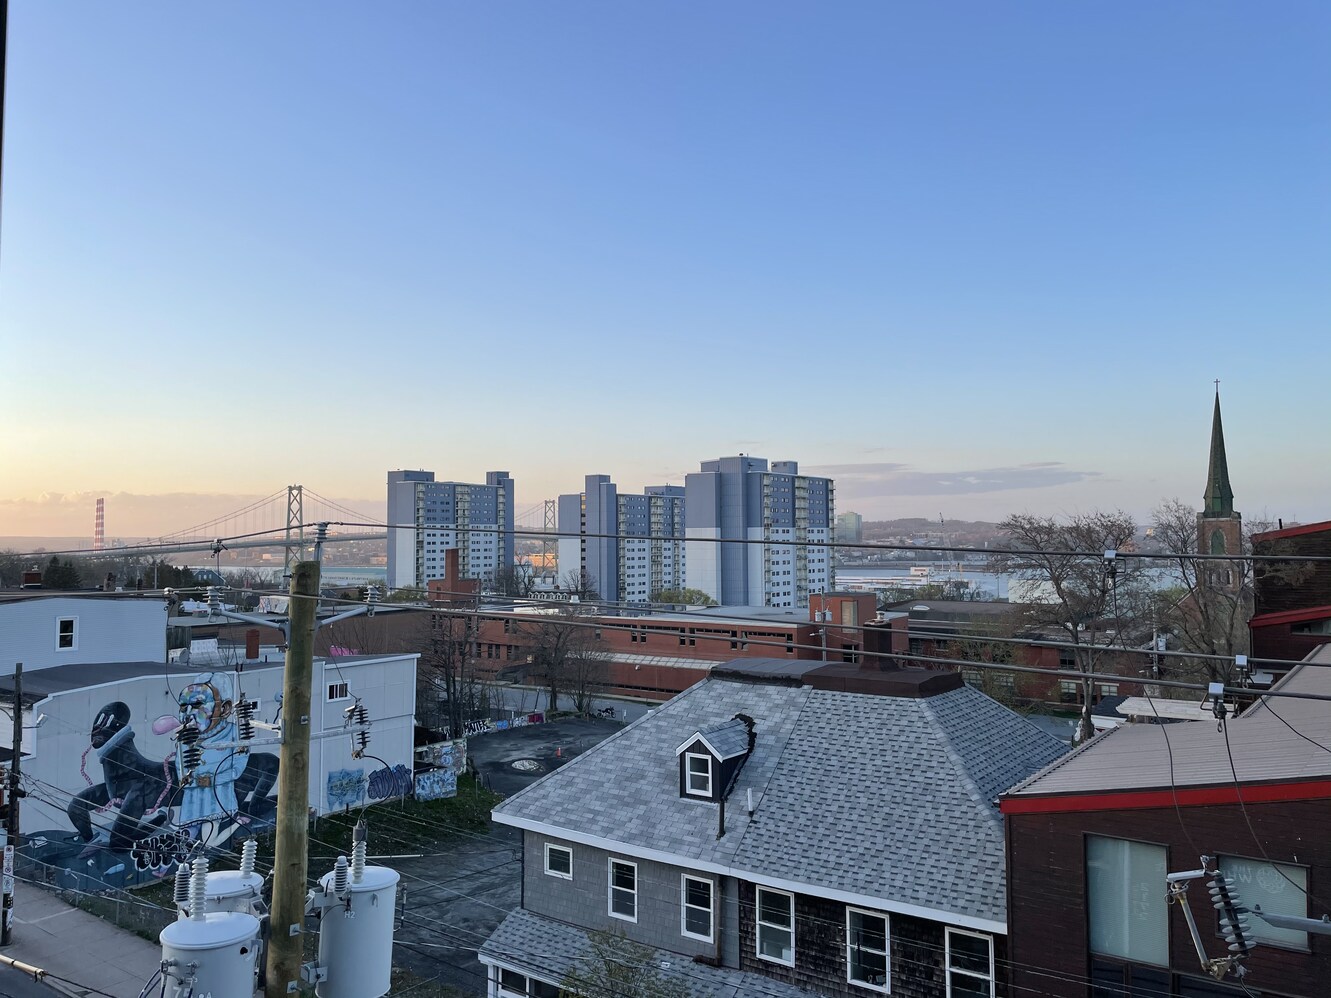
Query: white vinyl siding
[776, 926]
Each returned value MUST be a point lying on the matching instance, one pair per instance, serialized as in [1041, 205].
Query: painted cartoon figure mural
[225, 783]
[131, 784]
[138, 813]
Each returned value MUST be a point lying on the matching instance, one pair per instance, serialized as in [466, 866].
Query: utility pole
[286, 945]
[11, 820]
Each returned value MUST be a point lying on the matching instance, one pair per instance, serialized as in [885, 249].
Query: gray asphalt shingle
[542, 947]
[885, 797]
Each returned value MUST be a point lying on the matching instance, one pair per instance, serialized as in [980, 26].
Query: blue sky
[980, 257]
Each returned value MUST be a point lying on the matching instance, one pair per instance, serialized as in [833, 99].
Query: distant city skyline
[965, 260]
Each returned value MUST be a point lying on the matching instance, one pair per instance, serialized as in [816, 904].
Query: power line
[906, 657]
[831, 545]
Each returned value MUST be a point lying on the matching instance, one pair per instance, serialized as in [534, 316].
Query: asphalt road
[16, 985]
[459, 895]
[525, 699]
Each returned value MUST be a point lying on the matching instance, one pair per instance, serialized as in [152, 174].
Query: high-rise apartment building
[630, 547]
[476, 519]
[783, 516]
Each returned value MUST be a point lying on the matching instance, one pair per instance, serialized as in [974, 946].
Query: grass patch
[396, 827]
[405, 982]
[405, 826]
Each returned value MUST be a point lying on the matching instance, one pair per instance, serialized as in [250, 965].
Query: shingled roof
[545, 948]
[871, 799]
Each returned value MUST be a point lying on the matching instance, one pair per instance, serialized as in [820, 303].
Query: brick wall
[1047, 887]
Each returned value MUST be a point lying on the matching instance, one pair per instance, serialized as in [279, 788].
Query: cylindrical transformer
[356, 937]
[230, 890]
[217, 954]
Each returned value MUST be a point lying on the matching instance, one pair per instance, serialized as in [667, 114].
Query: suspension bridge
[289, 520]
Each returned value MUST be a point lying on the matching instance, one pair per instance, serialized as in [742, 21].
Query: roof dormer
[710, 758]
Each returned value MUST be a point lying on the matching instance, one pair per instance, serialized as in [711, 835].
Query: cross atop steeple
[1219, 497]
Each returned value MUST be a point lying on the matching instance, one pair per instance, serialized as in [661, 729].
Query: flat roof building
[428, 518]
[758, 535]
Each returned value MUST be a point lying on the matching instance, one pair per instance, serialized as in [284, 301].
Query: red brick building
[1292, 600]
[1091, 838]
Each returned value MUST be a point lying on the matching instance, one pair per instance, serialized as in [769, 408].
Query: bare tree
[1209, 604]
[447, 673]
[518, 579]
[566, 653]
[616, 967]
[580, 583]
[1085, 597]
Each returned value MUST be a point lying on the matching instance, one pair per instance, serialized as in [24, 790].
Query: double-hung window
[623, 889]
[866, 949]
[558, 861]
[1125, 898]
[696, 902]
[698, 774]
[970, 964]
[67, 633]
[776, 926]
[515, 985]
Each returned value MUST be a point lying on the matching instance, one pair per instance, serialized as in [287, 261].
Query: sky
[968, 258]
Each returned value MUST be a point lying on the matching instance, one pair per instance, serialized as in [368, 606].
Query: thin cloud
[884, 480]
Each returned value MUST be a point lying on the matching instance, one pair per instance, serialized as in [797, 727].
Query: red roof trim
[1305, 528]
[1131, 800]
[1290, 616]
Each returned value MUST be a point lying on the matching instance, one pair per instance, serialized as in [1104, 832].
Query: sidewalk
[79, 947]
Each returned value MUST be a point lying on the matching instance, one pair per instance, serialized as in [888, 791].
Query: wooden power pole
[11, 820]
[286, 945]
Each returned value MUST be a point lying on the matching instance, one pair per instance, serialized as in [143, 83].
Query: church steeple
[1219, 498]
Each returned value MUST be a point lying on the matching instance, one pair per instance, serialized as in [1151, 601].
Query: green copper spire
[1219, 496]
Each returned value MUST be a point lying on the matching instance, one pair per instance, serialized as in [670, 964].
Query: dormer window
[698, 774]
[710, 759]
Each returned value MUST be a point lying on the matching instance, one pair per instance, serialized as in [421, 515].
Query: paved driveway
[513, 759]
[457, 896]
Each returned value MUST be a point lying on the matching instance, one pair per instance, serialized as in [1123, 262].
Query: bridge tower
[295, 537]
[549, 542]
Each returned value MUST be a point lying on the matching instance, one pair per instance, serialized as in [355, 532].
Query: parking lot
[458, 895]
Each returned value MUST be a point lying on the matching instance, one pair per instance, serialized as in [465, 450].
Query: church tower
[1219, 528]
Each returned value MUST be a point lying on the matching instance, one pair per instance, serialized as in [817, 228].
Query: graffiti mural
[344, 787]
[389, 782]
[138, 815]
[436, 784]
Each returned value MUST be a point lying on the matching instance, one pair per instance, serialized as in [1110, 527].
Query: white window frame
[499, 982]
[340, 685]
[758, 924]
[886, 986]
[685, 907]
[550, 872]
[74, 634]
[688, 774]
[949, 970]
[610, 888]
